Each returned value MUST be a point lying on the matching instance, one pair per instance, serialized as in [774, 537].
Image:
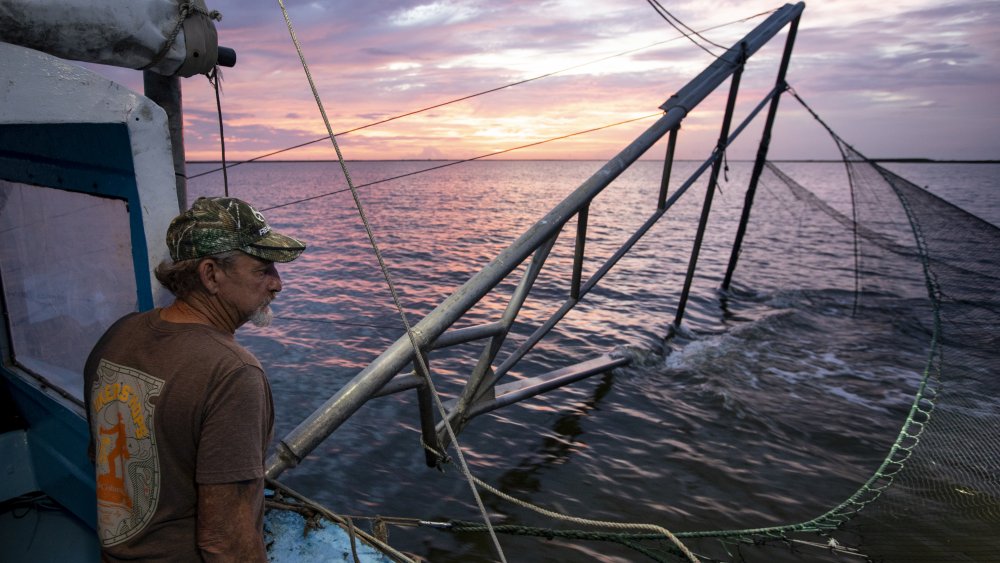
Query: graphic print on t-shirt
[128, 470]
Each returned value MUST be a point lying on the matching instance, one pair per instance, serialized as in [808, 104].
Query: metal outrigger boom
[482, 393]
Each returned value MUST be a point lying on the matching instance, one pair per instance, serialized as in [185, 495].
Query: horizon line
[917, 160]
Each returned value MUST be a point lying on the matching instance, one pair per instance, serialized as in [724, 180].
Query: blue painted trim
[57, 438]
[19, 476]
[91, 158]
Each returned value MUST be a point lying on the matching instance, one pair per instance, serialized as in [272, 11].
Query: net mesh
[930, 267]
[912, 272]
[944, 500]
[915, 278]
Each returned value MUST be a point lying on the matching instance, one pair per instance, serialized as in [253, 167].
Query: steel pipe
[328, 417]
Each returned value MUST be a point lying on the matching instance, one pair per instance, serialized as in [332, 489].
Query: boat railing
[482, 392]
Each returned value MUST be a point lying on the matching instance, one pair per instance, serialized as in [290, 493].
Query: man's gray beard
[262, 316]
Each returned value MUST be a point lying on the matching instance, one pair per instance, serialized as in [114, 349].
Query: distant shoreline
[817, 160]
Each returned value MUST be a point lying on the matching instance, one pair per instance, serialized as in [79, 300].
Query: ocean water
[770, 405]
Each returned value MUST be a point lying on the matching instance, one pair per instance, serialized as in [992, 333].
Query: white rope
[418, 357]
[587, 522]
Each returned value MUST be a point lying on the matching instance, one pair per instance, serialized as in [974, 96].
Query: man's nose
[274, 279]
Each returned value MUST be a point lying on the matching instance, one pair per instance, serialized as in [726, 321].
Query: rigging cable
[215, 79]
[473, 481]
[853, 190]
[670, 18]
[484, 92]
[438, 167]
[417, 355]
[586, 521]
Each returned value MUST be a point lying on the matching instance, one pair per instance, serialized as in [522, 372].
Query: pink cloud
[874, 73]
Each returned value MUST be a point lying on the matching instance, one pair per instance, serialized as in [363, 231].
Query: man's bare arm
[227, 522]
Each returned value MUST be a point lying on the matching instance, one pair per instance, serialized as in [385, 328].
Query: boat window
[67, 274]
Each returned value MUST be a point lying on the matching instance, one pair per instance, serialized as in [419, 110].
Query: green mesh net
[936, 495]
[903, 270]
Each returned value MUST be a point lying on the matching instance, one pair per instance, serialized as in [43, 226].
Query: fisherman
[180, 414]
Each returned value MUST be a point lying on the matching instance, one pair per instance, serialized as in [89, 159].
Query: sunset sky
[911, 78]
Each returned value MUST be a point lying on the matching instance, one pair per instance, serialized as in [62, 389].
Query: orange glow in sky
[896, 79]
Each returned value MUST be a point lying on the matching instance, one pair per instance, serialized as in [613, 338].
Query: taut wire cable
[484, 92]
[215, 79]
[417, 355]
[670, 19]
[482, 156]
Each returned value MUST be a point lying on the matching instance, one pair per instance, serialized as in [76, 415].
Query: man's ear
[209, 271]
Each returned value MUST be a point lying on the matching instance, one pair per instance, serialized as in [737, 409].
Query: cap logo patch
[220, 224]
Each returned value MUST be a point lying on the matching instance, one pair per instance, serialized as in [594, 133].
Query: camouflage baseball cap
[221, 224]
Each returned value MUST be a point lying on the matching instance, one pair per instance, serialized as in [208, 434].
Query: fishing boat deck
[33, 527]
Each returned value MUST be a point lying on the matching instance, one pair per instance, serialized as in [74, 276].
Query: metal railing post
[480, 382]
[378, 375]
[425, 405]
[668, 166]
[734, 88]
[581, 243]
[762, 148]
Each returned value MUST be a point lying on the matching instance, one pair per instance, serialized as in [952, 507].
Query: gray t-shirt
[170, 406]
